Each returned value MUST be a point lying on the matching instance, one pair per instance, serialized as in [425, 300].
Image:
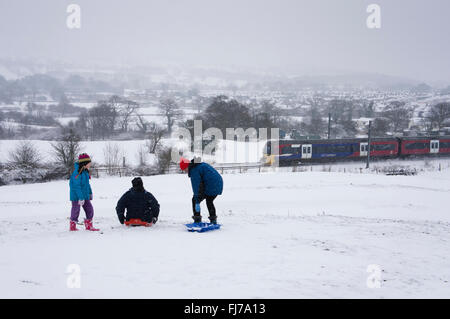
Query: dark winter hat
[137, 183]
[84, 158]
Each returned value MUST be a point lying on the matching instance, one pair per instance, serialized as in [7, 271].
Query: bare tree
[31, 107]
[113, 156]
[439, 114]
[142, 123]
[368, 108]
[82, 125]
[398, 114]
[126, 110]
[155, 134]
[170, 110]
[2, 128]
[380, 127]
[272, 111]
[142, 155]
[102, 120]
[25, 155]
[225, 113]
[67, 149]
[315, 125]
[163, 159]
[24, 130]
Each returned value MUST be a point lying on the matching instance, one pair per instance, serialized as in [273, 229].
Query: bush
[25, 155]
[26, 174]
[24, 167]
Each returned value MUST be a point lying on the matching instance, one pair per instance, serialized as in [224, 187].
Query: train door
[306, 150]
[434, 146]
[363, 148]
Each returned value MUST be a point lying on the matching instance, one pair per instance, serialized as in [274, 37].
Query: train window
[331, 149]
[382, 147]
[320, 149]
[416, 146]
[341, 148]
[325, 149]
[285, 150]
[445, 144]
[288, 149]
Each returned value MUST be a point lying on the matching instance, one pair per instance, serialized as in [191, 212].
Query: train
[294, 152]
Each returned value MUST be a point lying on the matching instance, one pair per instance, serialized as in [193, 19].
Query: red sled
[137, 222]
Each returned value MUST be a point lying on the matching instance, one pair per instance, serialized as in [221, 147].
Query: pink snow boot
[73, 226]
[89, 226]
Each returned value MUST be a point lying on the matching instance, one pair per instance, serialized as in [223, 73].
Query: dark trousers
[209, 204]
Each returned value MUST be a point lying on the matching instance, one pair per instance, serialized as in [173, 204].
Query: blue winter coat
[79, 185]
[205, 180]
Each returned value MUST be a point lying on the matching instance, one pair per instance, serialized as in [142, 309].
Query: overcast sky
[297, 36]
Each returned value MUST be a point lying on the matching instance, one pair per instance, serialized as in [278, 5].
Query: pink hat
[83, 158]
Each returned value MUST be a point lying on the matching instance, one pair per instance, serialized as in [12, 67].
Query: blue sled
[202, 227]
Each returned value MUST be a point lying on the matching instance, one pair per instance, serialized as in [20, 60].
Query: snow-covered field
[96, 149]
[228, 152]
[284, 235]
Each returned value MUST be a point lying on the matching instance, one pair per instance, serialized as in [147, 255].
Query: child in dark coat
[206, 184]
[138, 203]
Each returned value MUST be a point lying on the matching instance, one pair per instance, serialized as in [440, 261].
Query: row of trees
[394, 118]
[108, 119]
[117, 114]
[223, 113]
[37, 86]
[25, 163]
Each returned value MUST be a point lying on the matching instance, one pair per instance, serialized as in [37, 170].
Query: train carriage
[414, 146]
[296, 151]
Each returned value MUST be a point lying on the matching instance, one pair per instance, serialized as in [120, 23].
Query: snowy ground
[284, 235]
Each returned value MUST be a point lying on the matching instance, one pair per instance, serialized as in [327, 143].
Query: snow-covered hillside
[284, 235]
[228, 151]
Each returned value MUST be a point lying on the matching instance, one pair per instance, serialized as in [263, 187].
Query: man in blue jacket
[206, 184]
[139, 204]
